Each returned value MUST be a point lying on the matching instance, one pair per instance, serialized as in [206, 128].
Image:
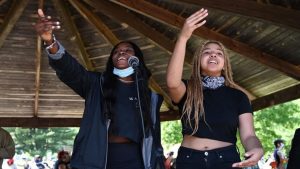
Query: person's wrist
[50, 43]
[50, 40]
[182, 38]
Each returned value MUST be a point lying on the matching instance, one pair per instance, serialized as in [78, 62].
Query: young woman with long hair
[212, 106]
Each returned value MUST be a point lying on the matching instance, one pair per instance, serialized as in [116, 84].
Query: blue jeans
[220, 158]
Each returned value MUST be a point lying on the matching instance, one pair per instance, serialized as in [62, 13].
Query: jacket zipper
[106, 151]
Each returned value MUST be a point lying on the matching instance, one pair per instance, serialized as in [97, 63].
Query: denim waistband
[205, 152]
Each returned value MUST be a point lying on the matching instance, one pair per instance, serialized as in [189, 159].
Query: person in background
[63, 160]
[212, 106]
[38, 163]
[120, 127]
[294, 155]
[169, 160]
[279, 154]
[7, 146]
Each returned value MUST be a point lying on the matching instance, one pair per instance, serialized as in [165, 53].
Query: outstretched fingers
[41, 13]
[196, 20]
[193, 22]
[47, 23]
[45, 26]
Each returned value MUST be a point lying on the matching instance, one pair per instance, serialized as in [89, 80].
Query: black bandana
[212, 82]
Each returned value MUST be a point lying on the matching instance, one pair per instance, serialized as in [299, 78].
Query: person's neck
[211, 75]
[126, 79]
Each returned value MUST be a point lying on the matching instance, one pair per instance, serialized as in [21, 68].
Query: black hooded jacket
[90, 145]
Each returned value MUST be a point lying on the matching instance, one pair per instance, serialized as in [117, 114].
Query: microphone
[133, 61]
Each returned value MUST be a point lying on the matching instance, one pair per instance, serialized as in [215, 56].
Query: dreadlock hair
[194, 101]
[110, 81]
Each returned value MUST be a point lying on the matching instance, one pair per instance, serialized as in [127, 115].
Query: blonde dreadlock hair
[195, 90]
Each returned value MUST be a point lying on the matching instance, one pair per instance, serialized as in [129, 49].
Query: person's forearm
[175, 66]
[69, 71]
[252, 142]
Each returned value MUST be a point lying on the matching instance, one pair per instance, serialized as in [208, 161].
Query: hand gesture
[45, 26]
[252, 158]
[193, 22]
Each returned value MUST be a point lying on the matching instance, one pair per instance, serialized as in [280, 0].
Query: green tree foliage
[171, 133]
[279, 121]
[39, 141]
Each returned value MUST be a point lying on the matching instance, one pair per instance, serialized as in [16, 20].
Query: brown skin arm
[44, 28]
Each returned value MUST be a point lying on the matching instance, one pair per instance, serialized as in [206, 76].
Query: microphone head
[133, 61]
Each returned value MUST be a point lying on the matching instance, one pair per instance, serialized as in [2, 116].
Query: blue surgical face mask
[123, 72]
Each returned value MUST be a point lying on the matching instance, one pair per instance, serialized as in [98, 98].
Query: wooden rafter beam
[122, 15]
[276, 14]
[36, 122]
[11, 18]
[154, 85]
[172, 19]
[63, 10]
[169, 115]
[96, 21]
[38, 54]
[39, 122]
[285, 95]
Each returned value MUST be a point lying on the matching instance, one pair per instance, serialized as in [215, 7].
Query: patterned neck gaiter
[213, 82]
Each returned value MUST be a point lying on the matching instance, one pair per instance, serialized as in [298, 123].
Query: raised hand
[193, 22]
[45, 26]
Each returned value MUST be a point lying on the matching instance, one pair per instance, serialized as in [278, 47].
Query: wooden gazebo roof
[262, 36]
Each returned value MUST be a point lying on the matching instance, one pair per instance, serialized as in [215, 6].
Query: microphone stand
[140, 110]
[139, 99]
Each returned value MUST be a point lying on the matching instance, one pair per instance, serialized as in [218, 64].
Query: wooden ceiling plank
[274, 13]
[62, 9]
[172, 19]
[227, 23]
[11, 18]
[96, 21]
[279, 97]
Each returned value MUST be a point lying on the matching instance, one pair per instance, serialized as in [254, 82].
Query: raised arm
[67, 68]
[175, 67]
